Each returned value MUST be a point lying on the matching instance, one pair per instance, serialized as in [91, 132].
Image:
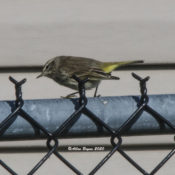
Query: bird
[62, 69]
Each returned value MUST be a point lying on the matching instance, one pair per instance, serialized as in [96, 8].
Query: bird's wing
[93, 74]
[84, 68]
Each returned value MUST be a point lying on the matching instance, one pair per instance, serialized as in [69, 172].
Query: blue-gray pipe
[114, 111]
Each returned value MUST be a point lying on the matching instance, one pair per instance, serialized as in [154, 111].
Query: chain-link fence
[116, 135]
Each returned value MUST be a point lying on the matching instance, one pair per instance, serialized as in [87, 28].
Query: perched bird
[62, 68]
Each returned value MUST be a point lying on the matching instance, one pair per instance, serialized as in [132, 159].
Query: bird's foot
[73, 95]
[97, 96]
[69, 96]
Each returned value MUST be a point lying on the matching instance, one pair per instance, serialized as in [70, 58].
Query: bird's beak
[40, 75]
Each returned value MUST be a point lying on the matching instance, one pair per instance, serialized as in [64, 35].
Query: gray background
[33, 31]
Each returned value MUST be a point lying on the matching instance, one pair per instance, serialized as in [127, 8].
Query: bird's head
[48, 69]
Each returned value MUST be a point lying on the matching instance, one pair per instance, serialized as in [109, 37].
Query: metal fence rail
[115, 134]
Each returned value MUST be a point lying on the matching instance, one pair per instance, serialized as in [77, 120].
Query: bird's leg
[70, 95]
[95, 93]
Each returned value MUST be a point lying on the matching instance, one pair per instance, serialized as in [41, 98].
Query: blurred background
[31, 32]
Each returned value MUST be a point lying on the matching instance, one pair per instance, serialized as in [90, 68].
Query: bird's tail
[110, 66]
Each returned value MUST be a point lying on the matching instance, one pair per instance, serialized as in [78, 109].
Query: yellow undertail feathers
[108, 67]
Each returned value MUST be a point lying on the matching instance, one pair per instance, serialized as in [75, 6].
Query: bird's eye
[47, 66]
